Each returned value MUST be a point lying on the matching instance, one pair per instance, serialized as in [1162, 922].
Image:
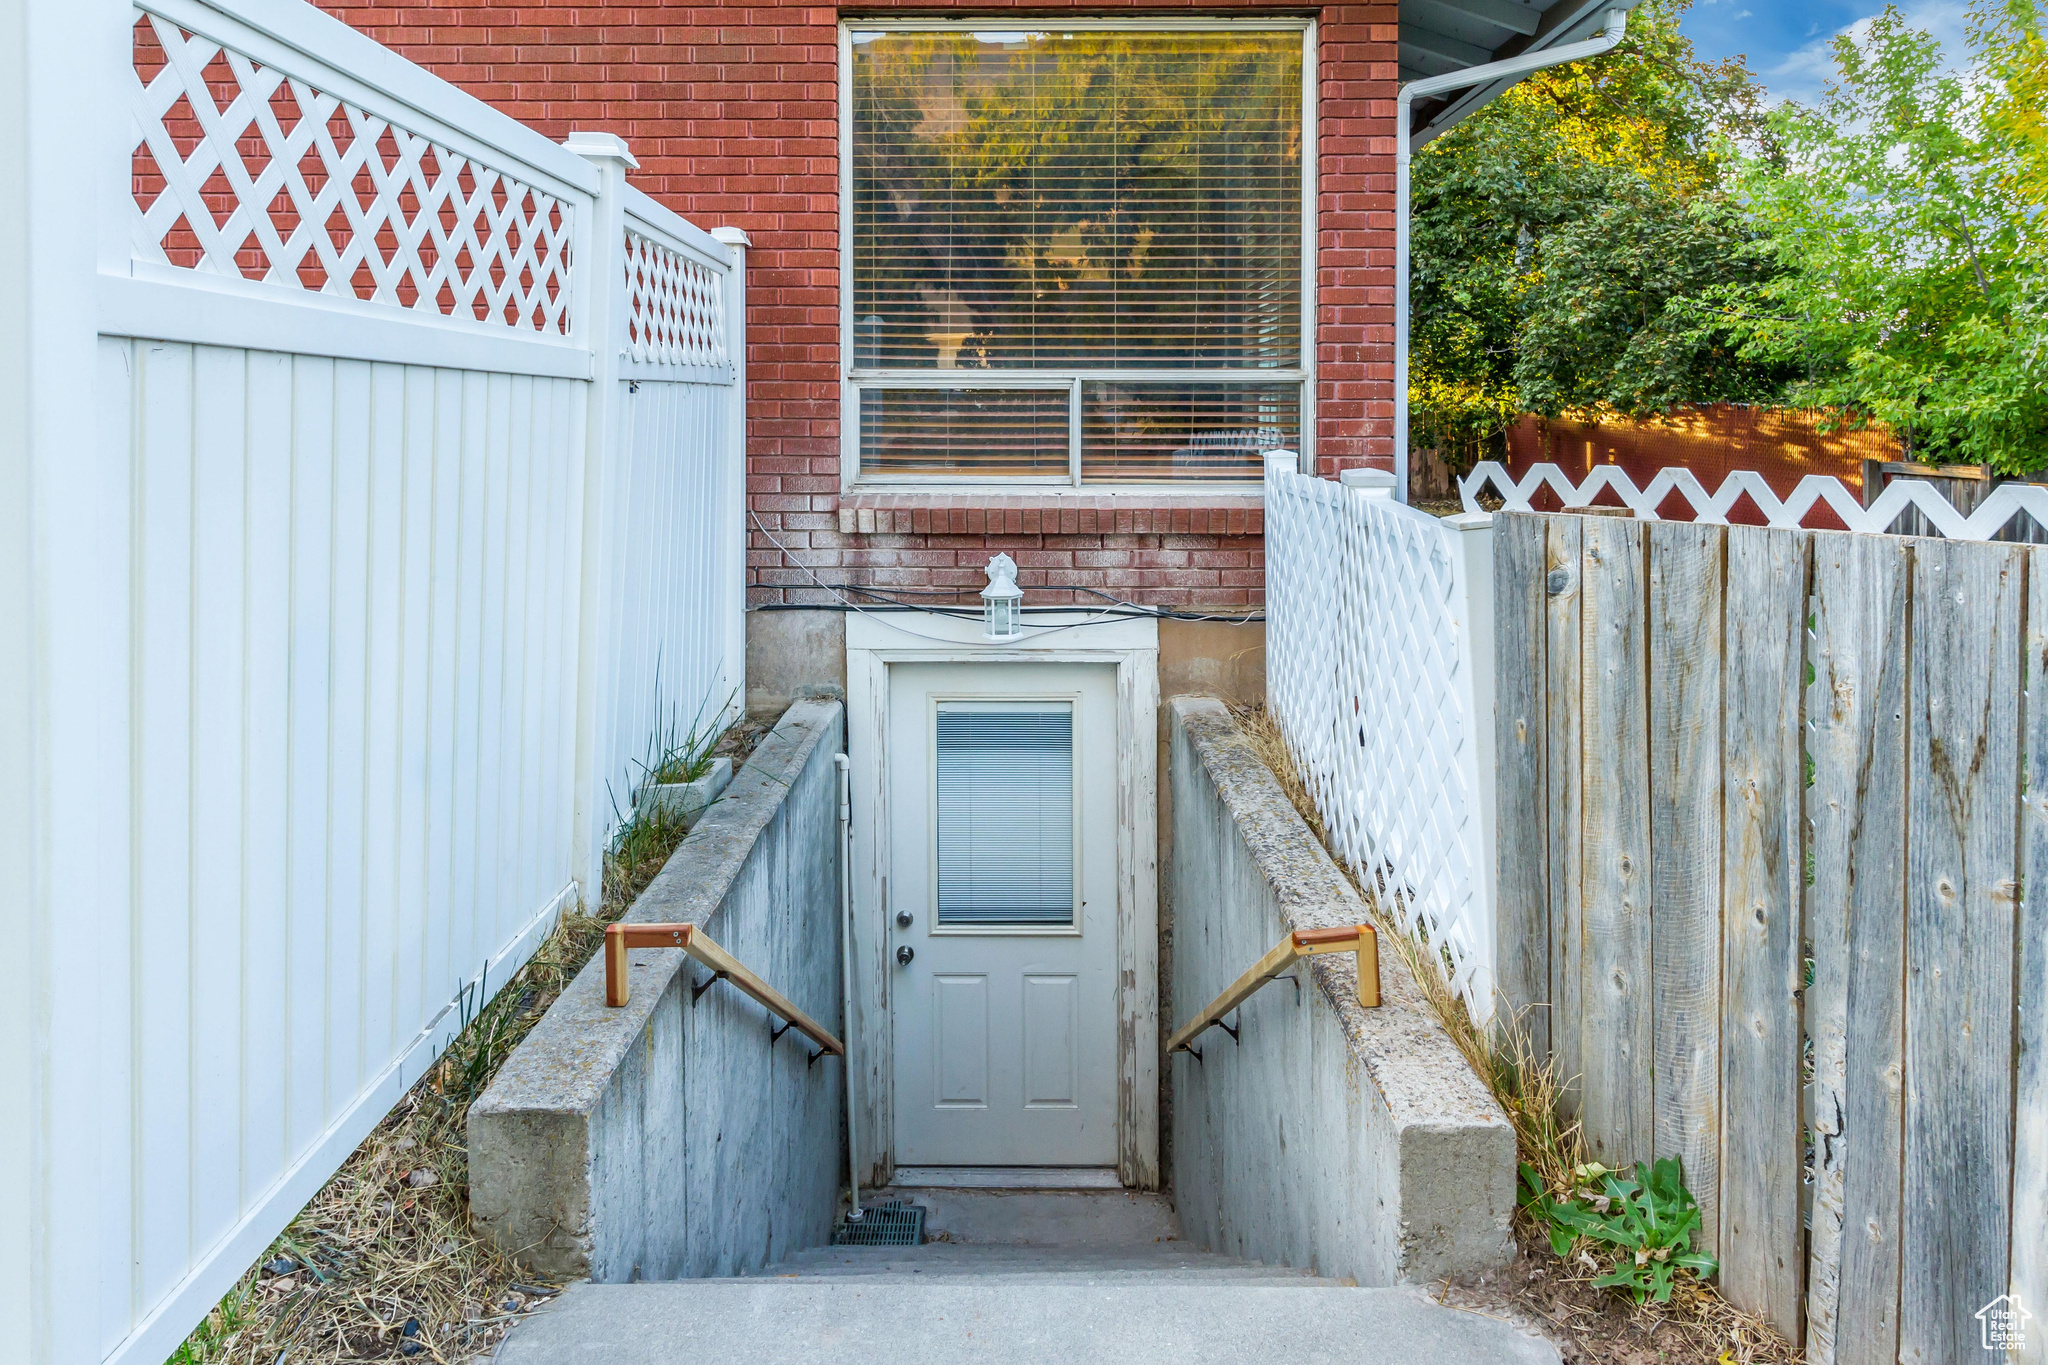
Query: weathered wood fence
[1765, 833]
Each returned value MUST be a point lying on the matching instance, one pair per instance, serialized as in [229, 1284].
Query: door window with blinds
[1003, 802]
[1075, 255]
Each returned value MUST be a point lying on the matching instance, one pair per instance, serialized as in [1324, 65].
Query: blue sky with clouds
[1786, 41]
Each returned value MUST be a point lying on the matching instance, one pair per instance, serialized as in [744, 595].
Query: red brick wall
[732, 113]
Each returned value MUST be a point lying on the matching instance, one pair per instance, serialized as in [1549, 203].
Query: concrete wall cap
[1420, 1073]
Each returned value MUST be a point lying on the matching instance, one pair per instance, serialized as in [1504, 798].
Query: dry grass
[382, 1263]
[1590, 1324]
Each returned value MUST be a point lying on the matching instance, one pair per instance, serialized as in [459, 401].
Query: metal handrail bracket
[1350, 938]
[618, 938]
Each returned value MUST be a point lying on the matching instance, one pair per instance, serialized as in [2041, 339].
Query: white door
[1002, 913]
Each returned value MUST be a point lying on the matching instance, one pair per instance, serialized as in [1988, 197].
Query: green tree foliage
[1906, 219]
[1609, 322]
[1638, 233]
[1561, 234]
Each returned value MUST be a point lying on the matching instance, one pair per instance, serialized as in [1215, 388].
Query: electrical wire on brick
[1122, 610]
[1127, 608]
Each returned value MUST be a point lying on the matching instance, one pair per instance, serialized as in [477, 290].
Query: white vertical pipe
[846, 972]
[1610, 34]
[1311, 188]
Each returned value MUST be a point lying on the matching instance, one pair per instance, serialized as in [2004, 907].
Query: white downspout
[846, 971]
[1610, 35]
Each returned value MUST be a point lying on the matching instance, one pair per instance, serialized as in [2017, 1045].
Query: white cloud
[1806, 69]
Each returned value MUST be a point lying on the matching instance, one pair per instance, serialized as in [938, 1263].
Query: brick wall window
[1075, 254]
[734, 110]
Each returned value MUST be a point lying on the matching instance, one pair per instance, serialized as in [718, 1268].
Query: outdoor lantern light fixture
[1002, 610]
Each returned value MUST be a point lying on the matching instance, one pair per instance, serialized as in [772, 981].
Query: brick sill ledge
[1068, 511]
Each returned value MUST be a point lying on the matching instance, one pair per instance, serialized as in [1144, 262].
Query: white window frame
[854, 379]
[1000, 701]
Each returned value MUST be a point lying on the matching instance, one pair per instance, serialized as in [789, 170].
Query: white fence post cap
[1375, 482]
[592, 146]
[1283, 459]
[732, 236]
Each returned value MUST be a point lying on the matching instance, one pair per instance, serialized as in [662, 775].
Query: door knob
[902, 919]
[903, 955]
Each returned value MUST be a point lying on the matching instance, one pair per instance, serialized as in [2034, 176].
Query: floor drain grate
[891, 1223]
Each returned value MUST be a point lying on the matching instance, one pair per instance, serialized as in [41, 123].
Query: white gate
[371, 453]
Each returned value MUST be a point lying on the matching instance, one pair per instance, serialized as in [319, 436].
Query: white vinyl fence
[669, 550]
[382, 484]
[1379, 667]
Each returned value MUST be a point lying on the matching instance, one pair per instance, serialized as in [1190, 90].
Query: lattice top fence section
[243, 171]
[1989, 521]
[675, 306]
[1369, 669]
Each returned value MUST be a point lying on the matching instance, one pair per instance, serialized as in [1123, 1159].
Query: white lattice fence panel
[1991, 517]
[1369, 673]
[675, 306]
[243, 171]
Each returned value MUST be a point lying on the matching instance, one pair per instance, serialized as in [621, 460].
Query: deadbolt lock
[902, 919]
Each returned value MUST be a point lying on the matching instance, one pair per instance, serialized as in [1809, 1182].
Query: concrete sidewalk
[798, 1320]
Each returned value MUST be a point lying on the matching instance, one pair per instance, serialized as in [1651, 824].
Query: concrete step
[903, 1320]
[937, 1262]
[1098, 1219]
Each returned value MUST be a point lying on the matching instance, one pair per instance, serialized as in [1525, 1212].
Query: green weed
[210, 1337]
[1642, 1227]
[677, 754]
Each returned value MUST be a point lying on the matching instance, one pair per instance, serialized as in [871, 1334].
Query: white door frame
[875, 640]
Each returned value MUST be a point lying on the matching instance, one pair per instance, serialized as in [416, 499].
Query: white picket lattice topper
[2004, 503]
[282, 182]
[1371, 670]
[675, 306]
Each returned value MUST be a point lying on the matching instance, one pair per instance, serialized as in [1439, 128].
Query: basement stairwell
[680, 1155]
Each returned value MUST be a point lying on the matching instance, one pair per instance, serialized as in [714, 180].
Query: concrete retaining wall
[666, 1140]
[1350, 1141]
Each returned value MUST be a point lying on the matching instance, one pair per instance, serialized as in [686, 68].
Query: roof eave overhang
[1442, 33]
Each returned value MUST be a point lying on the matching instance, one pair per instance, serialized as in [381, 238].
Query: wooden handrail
[1349, 938]
[699, 945]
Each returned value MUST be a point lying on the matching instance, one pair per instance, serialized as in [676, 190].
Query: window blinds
[1155, 431]
[976, 433]
[1004, 812]
[1089, 200]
